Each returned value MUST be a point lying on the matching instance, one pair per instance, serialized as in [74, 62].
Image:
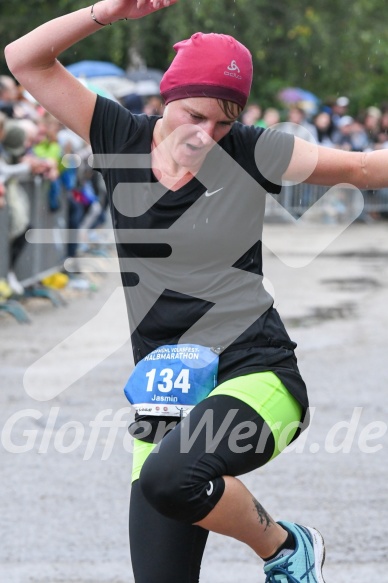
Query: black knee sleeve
[185, 483]
[178, 492]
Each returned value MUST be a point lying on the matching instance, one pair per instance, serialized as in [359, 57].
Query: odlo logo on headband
[233, 67]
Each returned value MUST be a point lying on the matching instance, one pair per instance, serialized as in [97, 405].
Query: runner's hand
[112, 10]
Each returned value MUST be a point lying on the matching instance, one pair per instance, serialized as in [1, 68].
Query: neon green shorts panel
[141, 451]
[266, 394]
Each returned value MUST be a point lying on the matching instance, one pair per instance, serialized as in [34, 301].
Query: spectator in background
[133, 102]
[12, 102]
[339, 109]
[47, 141]
[154, 105]
[383, 133]
[31, 131]
[15, 160]
[351, 135]
[251, 115]
[17, 199]
[48, 148]
[86, 192]
[271, 117]
[322, 123]
[8, 95]
[14, 167]
[298, 125]
[372, 125]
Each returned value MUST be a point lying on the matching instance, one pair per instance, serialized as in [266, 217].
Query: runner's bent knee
[177, 484]
[182, 478]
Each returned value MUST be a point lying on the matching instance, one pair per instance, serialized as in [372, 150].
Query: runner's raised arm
[32, 59]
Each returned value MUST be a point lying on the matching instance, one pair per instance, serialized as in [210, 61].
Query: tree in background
[329, 47]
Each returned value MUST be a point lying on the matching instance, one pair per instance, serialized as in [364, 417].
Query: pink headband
[209, 65]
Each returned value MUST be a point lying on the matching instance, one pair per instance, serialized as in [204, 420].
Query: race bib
[172, 379]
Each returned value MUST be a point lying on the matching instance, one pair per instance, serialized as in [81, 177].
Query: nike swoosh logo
[207, 193]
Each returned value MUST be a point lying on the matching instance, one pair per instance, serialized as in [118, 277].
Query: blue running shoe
[304, 564]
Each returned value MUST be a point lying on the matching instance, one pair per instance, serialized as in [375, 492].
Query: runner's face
[193, 126]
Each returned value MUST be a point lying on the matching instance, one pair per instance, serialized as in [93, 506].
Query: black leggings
[178, 488]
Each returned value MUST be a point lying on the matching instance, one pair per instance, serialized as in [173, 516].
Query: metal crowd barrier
[40, 260]
[334, 203]
[376, 201]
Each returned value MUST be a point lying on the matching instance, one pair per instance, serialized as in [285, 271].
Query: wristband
[95, 19]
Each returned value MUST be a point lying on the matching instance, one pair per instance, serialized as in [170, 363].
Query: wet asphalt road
[65, 485]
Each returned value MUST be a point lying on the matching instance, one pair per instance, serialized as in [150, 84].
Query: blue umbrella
[95, 69]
